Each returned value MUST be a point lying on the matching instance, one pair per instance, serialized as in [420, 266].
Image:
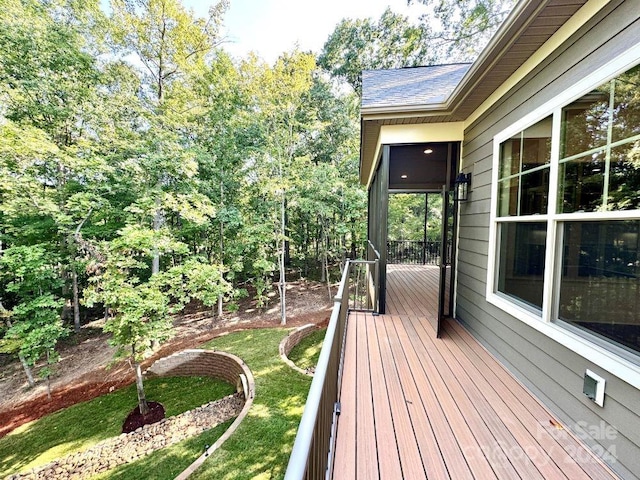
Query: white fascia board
[403, 111]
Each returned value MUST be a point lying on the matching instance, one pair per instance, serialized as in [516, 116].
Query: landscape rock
[125, 448]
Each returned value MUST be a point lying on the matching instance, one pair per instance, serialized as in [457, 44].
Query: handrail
[373, 247]
[313, 447]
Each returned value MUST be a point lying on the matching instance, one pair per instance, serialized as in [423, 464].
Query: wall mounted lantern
[461, 187]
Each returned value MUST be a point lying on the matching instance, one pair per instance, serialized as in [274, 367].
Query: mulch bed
[135, 419]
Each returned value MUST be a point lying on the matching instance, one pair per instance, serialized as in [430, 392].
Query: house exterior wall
[551, 370]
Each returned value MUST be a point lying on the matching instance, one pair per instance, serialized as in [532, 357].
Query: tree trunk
[23, 361]
[157, 225]
[76, 302]
[27, 370]
[285, 230]
[142, 399]
[221, 244]
[48, 377]
[282, 286]
[320, 240]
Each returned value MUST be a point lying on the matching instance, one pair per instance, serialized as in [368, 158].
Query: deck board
[386, 439]
[416, 407]
[345, 458]
[367, 458]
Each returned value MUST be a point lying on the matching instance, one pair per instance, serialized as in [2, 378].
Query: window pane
[525, 158]
[508, 197]
[627, 105]
[600, 282]
[510, 156]
[537, 145]
[624, 177]
[521, 257]
[535, 192]
[582, 183]
[585, 122]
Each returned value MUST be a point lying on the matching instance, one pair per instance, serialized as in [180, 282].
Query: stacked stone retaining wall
[293, 339]
[201, 363]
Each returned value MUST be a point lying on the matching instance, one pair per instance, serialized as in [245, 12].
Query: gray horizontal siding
[552, 371]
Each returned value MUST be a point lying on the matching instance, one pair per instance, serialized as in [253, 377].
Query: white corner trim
[581, 17]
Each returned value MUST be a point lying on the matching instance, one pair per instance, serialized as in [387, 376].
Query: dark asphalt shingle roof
[410, 86]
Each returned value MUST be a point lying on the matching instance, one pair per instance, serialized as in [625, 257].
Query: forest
[142, 167]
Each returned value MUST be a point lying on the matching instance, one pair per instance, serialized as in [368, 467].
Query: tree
[48, 80]
[455, 31]
[463, 27]
[30, 278]
[171, 44]
[141, 304]
[391, 42]
[281, 91]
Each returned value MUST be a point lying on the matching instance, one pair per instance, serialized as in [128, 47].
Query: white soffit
[582, 16]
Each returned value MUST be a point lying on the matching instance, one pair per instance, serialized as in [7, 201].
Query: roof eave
[496, 47]
[414, 110]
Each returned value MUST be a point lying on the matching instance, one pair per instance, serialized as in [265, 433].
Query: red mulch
[136, 420]
[60, 398]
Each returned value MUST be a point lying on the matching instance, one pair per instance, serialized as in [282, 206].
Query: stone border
[209, 363]
[293, 339]
[130, 447]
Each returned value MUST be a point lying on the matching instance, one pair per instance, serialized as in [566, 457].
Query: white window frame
[543, 321]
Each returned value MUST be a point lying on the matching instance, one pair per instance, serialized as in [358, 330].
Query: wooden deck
[416, 407]
[412, 290]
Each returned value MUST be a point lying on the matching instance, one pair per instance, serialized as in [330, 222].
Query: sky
[271, 27]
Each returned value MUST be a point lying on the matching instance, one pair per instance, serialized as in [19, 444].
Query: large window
[523, 194]
[600, 279]
[567, 215]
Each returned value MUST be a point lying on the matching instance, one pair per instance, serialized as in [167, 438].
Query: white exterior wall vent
[594, 387]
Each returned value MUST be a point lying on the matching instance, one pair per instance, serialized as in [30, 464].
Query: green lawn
[305, 354]
[85, 424]
[260, 448]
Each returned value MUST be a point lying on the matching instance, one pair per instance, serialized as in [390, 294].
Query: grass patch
[305, 354]
[85, 424]
[261, 446]
[169, 462]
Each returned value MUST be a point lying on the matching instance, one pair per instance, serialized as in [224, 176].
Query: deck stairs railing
[314, 446]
